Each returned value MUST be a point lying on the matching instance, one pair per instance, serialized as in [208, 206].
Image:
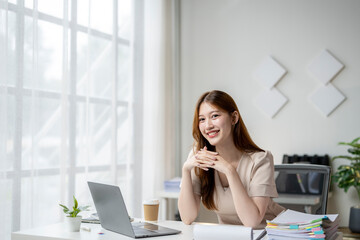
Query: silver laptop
[113, 215]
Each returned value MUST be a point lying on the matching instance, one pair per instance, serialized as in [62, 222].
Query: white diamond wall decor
[327, 98]
[324, 67]
[271, 101]
[269, 72]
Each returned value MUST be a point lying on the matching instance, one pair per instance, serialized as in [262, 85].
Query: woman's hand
[208, 159]
[202, 159]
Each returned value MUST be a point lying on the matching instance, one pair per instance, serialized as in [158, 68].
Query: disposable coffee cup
[151, 209]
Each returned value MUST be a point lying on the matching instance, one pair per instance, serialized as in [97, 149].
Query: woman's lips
[213, 134]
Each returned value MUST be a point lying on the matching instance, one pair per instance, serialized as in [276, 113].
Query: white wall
[223, 41]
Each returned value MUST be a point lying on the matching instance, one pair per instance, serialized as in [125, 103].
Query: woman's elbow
[253, 223]
[187, 221]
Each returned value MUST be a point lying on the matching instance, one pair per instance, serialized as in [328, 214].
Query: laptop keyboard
[145, 228]
[149, 226]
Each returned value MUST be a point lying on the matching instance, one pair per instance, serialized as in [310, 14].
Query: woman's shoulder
[261, 156]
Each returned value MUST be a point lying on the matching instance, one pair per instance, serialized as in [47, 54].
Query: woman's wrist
[230, 171]
[186, 169]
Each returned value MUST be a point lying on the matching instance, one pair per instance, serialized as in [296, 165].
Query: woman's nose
[209, 124]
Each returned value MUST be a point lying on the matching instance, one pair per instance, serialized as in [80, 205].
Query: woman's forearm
[188, 202]
[249, 213]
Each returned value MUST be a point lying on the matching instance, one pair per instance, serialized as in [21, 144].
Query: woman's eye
[201, 119]
[215, 115]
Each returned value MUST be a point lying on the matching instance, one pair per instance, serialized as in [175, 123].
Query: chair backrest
[301, 181]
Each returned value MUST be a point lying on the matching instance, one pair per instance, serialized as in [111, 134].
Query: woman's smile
[213, 134]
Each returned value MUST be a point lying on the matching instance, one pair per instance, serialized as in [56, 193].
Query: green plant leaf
[346, 157]
[348, 176]
[352, 144]
[76, 209]
[63, 206]
[355, 140]
[354, 151]
[75, 202]
[65, 209]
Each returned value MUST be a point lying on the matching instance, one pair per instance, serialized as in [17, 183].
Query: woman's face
[215, 124]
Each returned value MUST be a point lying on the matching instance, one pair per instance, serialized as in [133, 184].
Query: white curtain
[159, 144]
[67, 99]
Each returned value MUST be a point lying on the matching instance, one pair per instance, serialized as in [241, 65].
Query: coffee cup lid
[151, 202]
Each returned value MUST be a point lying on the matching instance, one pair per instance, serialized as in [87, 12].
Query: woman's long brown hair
[241, 137]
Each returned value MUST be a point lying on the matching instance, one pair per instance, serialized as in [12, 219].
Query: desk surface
[347, 234]
[57, 232]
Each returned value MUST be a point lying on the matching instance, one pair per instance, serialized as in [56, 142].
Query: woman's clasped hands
[206, 159]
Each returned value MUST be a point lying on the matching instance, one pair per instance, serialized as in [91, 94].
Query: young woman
[226, 170]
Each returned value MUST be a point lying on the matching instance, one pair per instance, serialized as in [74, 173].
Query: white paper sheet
[216, 232]
[290, 216]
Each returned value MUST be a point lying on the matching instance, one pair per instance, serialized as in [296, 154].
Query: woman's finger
[206, 156]
[203, 167]
[207, 151]
[207, 163]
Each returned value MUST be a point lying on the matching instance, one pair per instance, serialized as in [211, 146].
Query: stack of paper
[172, 185]
[222, 231]
[298, 225]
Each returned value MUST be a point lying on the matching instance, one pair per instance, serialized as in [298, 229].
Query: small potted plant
[72, 220]
[348, 176]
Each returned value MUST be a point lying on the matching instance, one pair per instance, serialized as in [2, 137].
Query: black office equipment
[300, 180]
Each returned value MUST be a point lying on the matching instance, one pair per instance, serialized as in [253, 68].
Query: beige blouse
[256, 171]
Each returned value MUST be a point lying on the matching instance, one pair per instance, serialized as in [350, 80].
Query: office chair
[303, 184]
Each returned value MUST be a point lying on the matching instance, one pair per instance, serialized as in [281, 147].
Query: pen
[86, 229]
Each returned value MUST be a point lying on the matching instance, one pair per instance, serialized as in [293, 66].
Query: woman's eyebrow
[200, 115]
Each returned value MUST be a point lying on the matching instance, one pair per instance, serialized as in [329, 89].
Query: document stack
[208, 231]
[172, 185]
[298, 225]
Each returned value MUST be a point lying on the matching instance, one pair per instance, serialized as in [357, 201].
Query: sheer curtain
[69, 104]
[160, 95]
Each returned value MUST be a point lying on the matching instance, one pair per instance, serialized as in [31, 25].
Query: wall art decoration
[269, 73]
[325, 68]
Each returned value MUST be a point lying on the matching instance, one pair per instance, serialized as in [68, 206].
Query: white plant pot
[72, 224]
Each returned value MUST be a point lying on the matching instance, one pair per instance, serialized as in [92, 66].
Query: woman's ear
[235, 118]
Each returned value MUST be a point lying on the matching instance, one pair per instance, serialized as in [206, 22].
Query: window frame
[133, 106]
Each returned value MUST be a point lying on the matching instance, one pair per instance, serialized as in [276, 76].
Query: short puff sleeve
[262, 183]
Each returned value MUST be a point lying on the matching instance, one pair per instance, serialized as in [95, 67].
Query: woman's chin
[213, 142]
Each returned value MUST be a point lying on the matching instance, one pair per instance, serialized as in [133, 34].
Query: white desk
[58, 232]
[165, 212]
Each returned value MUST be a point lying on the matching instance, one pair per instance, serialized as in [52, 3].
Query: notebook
[113, 215]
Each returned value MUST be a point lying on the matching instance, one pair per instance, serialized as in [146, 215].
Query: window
[66, 91]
